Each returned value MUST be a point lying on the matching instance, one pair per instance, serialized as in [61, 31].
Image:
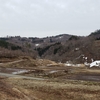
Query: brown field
[61, 82]
[21, 89]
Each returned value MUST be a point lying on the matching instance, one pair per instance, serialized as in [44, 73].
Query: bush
[74, 38]
[56, 50]
[4, 44]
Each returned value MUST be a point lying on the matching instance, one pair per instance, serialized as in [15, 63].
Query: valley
[62, 67]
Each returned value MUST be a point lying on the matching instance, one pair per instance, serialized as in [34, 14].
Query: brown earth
[63, 82]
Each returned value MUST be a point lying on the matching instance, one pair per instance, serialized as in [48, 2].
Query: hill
[60, 48]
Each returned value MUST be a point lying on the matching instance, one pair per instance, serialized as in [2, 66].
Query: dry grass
[59, 90]
[57, 87]
[7, 92]
[25, 62]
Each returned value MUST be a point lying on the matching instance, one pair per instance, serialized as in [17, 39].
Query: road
[19, 76]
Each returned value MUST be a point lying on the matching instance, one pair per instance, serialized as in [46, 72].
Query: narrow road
[19, 76]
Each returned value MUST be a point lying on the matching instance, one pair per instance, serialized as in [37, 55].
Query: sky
[41, 18]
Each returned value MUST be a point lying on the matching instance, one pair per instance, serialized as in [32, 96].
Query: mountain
[60, 48]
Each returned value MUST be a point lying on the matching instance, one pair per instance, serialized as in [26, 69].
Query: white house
[95, 63]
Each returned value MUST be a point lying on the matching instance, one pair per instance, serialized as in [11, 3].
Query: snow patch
[54, 71]
[86, 64]
[20, 72]
[60, 37]
[68, 64]
[95, 63]
[76, 49]
[37, 45]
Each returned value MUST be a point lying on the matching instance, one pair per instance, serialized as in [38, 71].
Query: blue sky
[41, 18]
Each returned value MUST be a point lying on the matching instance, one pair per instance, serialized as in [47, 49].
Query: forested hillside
[60, 48]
